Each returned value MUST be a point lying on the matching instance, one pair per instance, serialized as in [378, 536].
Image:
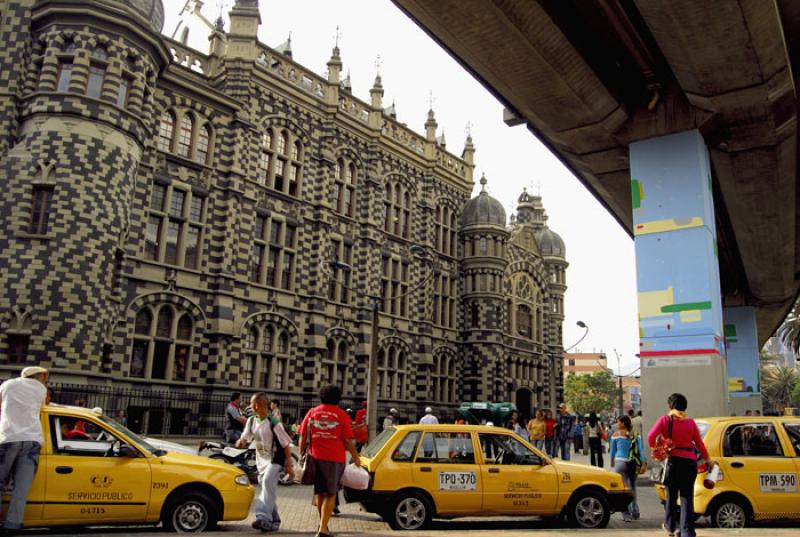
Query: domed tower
[553, 252]
[84, 117]
[484, 238]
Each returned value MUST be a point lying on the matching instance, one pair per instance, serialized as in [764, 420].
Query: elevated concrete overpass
[595, 79]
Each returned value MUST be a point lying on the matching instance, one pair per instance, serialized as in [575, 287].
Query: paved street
[299, 517]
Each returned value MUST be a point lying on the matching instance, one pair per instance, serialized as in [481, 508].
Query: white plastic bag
[355, 477]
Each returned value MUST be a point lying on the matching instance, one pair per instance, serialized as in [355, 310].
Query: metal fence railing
[162, 412]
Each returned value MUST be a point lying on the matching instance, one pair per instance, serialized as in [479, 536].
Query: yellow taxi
[94, 471]
[758, 458]
[418, 472]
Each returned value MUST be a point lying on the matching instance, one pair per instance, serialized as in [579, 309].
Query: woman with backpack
[677, 438]
[597, 434]
[626, 459]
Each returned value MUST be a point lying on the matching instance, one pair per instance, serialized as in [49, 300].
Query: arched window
[524, 320]
[283, 169]
[397, 210]
[446, 230]
[444, 378]
[164, 350]
[166, 128]
[334, 367]
[392, 372]
[203, 144]
[344, 187]
[185, 135]
[265, 357]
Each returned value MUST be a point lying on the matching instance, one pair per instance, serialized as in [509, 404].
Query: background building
[171, 217]
[584, 363]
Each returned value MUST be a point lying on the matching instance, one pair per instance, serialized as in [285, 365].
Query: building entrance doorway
[524, 402]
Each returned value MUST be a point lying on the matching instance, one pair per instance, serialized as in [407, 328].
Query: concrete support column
[680, 307]
[741, 343]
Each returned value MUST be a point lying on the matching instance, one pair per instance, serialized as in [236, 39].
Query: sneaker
[668, 532]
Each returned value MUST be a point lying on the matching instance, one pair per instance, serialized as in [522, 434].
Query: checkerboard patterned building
[213, 219]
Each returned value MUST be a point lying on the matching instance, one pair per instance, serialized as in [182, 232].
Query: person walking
[626, 457]
[636, 422]
[428, 418]
[360, 429]
[564, 431]
[235, 419]
[577, 436]
[273, 453]
[515, 425]
[596, 433]
[275, 409]
[676, 426]
[536, 430]
[549, 433]
[326, 433]
[391, 419]
[21, 401]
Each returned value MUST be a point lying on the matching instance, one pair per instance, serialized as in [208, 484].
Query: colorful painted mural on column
[741, 342]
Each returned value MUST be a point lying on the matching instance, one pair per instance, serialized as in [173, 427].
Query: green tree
[590, 393]
[779, 386]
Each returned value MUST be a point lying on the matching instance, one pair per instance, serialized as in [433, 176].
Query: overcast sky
[601, 276]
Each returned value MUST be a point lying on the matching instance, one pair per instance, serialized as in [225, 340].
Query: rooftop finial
[378, 65]
[483, 182]
[337, 36]
[430, 101]
[468, 129]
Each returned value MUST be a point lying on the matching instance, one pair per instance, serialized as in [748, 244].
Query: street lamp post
[621, 392]
[372, 365]
[586, 333]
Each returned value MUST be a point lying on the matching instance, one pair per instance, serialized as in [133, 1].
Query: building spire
[430, 124]
[483, 182]
[335, 63]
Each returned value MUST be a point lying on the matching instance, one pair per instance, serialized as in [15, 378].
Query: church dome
[483, 209]
[550, 243]
[151, 10]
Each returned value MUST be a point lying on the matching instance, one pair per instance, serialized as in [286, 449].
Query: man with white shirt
[429, 418]
[21, 401]
[273, 452]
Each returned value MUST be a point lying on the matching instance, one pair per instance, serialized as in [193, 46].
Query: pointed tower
[484, 239]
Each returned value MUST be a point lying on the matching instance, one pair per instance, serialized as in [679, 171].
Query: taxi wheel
[411, 511]
[589, 510]
[730, 513]
[190, 513]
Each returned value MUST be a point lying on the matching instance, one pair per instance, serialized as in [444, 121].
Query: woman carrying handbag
[677, 437]
[325, 434]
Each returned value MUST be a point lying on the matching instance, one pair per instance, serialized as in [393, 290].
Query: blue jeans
[539, 444]
[23, 459]
[564, 445]
[266, 502]
[624, 469]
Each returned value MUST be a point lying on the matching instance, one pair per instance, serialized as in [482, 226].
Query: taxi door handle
[425, 469]
[737, 465]
[63, 469]
[494, 470]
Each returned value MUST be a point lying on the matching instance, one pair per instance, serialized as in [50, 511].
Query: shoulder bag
[667, 469]
[304, 472]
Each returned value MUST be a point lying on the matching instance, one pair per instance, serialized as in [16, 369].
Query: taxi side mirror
[125, 450]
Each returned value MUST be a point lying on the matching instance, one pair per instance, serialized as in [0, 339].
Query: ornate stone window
[175, 223]
[446, 230]
[162, 343]
[334, 366]
[397, 210]
[341, 279]
[17, 348]
[280, 168]
[344, 187]
[274, 252]
[97, 72]
[166, 128]
[524, 320]
[444, 377]
[392, 372]
[185, 136]
[444, 300]
[203, 144]
[40, 209]
[394, 286]
[265, 357]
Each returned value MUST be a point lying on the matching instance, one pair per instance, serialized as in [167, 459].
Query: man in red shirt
[549, 433]
[360, 428]
[326, 432]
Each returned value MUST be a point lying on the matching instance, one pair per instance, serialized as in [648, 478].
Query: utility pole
[372, 372]
[621, 392]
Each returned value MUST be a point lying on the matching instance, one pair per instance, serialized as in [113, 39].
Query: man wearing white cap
[21, 401]
[429, 418]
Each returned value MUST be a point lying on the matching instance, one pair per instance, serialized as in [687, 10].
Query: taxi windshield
[703, 426]
[372, 449]
[119, 428]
